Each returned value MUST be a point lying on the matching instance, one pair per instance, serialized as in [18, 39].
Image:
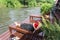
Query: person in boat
[31, 27]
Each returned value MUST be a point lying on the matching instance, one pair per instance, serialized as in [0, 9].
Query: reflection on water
[8, 16]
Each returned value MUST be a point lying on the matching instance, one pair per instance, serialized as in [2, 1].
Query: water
[8, 16]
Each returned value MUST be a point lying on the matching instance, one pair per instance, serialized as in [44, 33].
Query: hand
[17, 24]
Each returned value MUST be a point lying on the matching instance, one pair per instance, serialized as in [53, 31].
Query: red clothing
[36, 24]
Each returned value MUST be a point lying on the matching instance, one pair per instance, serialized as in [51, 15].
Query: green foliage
[52, 31]
[13, 3]
[45, 5]
[45, 8]
[46, 1]
[10, 3]
[32, 3]
[3, 3]
[43, 1]
[20, 3]
[51, 1]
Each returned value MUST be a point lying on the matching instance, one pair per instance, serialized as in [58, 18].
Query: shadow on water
[8, 16]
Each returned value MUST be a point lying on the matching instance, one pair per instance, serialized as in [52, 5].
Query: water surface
[8, 16]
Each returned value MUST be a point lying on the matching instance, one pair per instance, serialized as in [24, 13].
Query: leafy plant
[32, 3]
[13, 3]
[10, 3]
[20, 3]
[52, 31]
[45, 8]
[46, 1]
[3, 3]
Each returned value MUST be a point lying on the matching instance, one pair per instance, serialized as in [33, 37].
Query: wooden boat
[6, 35]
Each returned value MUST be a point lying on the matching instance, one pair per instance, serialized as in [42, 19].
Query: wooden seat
[34, 18]
[18, 31]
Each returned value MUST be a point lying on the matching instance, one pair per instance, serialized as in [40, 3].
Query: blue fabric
[27, 26]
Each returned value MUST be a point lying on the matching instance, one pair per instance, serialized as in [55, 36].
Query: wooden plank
[20, 35]
[5, 35]
[18, 29]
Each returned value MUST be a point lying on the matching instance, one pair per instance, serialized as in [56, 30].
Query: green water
[8, 16]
